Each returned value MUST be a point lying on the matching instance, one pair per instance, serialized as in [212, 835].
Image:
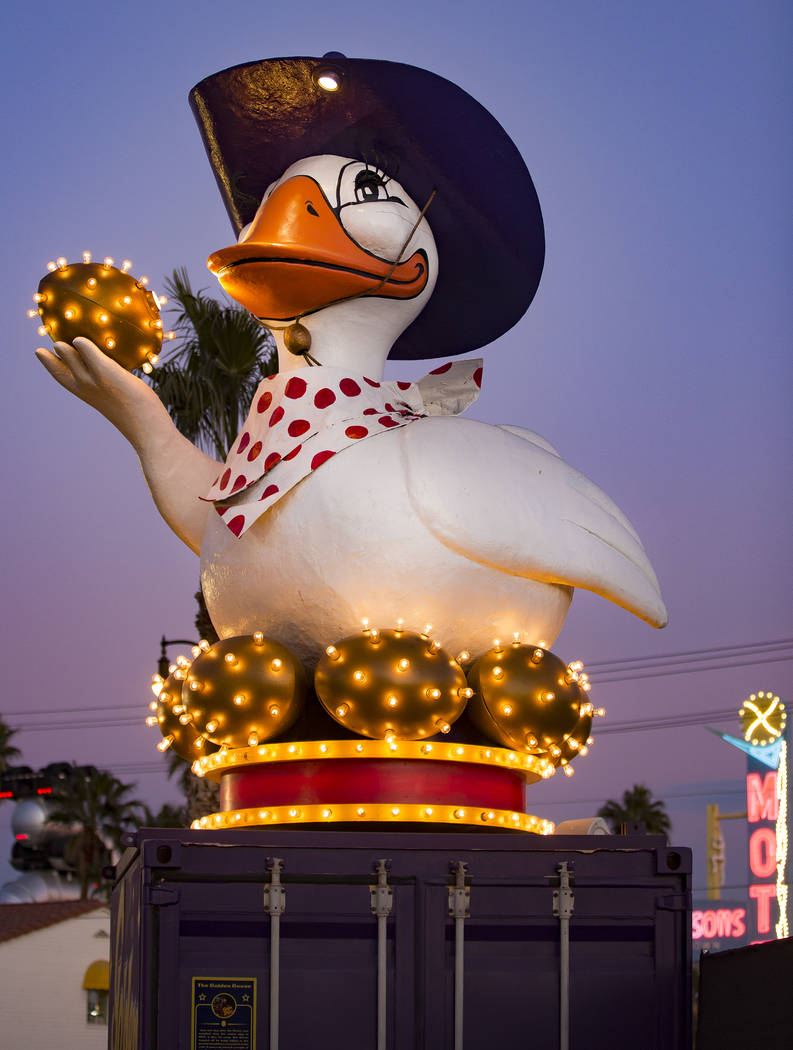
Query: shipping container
[382, 940]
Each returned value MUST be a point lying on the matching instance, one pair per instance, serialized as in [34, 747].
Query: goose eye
[369, 186]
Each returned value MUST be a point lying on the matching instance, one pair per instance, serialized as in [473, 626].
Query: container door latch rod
[381, 899]
[275, 905]
[459, 910]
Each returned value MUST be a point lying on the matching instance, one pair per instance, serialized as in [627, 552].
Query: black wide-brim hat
[258, 118]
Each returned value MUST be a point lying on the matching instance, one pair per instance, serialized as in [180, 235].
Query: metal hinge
[563, 896]
[459, 893]
[160, 896]
[381, 897]
[673, 902]
[274, 892]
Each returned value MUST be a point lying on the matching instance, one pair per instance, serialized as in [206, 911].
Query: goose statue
[381, 211]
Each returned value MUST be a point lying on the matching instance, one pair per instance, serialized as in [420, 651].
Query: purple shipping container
[209, 951]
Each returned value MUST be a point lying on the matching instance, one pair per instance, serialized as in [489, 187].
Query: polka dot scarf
[298, 420]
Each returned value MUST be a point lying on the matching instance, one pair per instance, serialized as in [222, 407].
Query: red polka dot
[295, 388]
[238, 483]
[269, 491]
[324, 397]
[254, 452]
[225, 479]
[221, 510]
[371, 382]
[478, 376]
[389, 407]
[293, 453]
[217, 479]
[349, 387]
[441, 369]
[298, 427]
[264, 401]
[236, 524]
[245, 440]
[320, 458]
[277, 416]
[272, 459]
[404, 386]
[370, 411]
[387, 421]
[356, 432]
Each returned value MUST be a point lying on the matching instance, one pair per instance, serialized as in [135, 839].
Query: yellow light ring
[212, 766]
[369, 813]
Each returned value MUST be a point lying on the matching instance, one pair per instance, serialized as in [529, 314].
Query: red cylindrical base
[372, 780]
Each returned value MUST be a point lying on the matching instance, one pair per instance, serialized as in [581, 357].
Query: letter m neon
[761, 797]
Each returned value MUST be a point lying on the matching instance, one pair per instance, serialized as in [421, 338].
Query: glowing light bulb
[86, 257]
[185, 718]
[143, 280]
[108, 262]
[91, 282]
[465, 693]
[332, 652]
[274, 710]
[61, 262]
[498, 672]
[531, 740]
[403, 664]
[43, 329]
[293, 813]
[399, 626]
[258, 638]
[342, 710]
[426, 749]
[152, 720]
[165, 743]
[33, 313]
[507, 709]
[600, 712]
[374, 636]
[442, 725]
[51, 267]
[359, 676]
[179, 674]
[459, 814]
[435, 645]
[433, 694]
[240, 699]
[584, 750]
[146, 366]
[361, 811]
[39, 297]
[178, 708]
[253, 739]
[126, 265]
[169, 335]
[323, 749]
[329, 81]
[463, 656]
[516, 637]
[230, 658]
[568, 771]
[392, 700]
[277, 664]
[548, 697]
[365, 623]
[211, 725]
[326, 813]
[395, 811]
[427, 811]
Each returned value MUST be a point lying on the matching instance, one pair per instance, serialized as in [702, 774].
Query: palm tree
[637, 807]
[221, 355]
[8, 751]
[207, 384]
[167, 816]
[100, 810]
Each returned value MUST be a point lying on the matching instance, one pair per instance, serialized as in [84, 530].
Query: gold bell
[297, 339]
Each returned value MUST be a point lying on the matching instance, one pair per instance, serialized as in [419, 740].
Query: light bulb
[253, 739]
[433, 694]
[230, 658]
[403, 664]
[507, 709]
[212, 725]
[108, 262]
[498, 672]
[277, 664]
[463, 656]
[91, 282]
[332, 652]
[465, 693]
[342, 710]
[61, 262]
[240, 699]
[442, 725]
[329, 81]
[86, 257]
[33, 313]
[392, 700]
[126, 265]
[568, 771]
[258, 637]
[359, 676]
[51, 267]
[274, 710]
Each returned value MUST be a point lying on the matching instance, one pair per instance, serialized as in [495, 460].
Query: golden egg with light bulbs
[244, 691]
[170, 716]
[525, 697]
[391, 684]
[105, 304]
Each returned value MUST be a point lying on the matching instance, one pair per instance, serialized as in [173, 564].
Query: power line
[776, 643]
[690, 670]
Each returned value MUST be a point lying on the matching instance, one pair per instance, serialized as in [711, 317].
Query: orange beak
[297, 258]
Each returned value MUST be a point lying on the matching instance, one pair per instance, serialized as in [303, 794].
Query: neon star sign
[763, 718]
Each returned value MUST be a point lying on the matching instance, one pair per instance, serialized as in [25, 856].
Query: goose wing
[504, 498]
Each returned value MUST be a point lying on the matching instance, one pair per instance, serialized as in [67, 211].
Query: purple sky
[656, 355]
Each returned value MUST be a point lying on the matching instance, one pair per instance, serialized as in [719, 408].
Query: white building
[54, 960]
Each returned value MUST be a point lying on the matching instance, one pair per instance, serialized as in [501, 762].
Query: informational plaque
[223, 1013]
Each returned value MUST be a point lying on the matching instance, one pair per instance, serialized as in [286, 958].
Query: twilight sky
[656, 355]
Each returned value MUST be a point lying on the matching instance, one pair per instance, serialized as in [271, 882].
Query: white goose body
[482, 531]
